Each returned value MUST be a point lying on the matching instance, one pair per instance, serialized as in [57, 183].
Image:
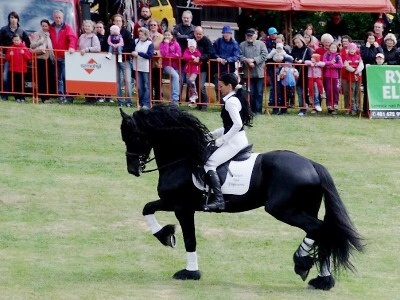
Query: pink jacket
[171, 53]
[316, 70]
[191, 67]
[333, 65]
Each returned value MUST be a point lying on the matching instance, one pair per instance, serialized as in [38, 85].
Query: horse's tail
[338, 235]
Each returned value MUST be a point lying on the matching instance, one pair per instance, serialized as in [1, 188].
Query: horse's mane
[180, 132]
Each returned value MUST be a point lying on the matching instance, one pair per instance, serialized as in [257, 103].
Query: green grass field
[71, 224]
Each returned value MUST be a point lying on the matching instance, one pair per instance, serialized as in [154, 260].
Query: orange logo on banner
[90, 66]
[91, 74]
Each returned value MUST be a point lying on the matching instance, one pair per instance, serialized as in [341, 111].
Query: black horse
[289, 186]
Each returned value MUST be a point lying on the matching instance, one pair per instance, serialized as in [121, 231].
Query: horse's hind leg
[304, 218]
[303, 259]
[324, 281]
[166, 234]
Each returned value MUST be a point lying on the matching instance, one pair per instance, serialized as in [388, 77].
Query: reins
[143, 163]
[163, 166]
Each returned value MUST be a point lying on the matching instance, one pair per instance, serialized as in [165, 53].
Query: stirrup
[215, 206]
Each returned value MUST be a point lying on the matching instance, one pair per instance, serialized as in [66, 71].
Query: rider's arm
[233, 106]
[217, 133]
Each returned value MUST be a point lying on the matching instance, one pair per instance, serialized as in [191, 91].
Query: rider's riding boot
[215, 185]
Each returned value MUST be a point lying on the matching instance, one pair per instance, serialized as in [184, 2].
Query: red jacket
[191, 67]
[65, 39]
[18, 61]
[354, 61]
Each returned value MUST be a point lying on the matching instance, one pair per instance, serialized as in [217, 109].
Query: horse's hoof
[302, 265]
[187, 275]
[166, 235]
[302, 272]
[322, 283]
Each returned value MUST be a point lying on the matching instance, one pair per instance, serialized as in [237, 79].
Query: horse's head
[137, 144]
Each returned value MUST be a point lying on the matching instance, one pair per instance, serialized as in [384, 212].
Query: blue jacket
[229, 51]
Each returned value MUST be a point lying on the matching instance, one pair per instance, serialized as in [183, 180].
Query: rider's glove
[219, 142]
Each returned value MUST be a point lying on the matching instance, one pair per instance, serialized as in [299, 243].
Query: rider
[231, 138]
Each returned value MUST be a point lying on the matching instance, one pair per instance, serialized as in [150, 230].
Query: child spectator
[352, 66]
[277, 50]
[380, 59]
[315, 68]
[276, 55]
[192, 68]
[333, 65]
[115, 41]
[144, 51]
[171, 53]
[288, 76]
[18, 55]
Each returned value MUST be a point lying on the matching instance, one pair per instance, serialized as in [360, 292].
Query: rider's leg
[215, 185]
[222, 154]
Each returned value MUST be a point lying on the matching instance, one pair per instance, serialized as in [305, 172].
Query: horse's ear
[124, 115]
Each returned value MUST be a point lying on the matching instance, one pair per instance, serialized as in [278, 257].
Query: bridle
[144, 159]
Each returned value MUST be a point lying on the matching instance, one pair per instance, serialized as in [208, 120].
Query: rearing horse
[289, 186]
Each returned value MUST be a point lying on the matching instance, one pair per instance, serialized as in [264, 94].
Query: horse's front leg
[166, 234]
[186, 220]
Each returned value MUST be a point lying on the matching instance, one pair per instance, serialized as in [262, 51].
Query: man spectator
[270, 41]
[185, 30]
[336, 26]
[182, 32]
[102, 36]
[227, 53]
[253, 54]
[6, 35]
[207, 51]
[378, 32]
[124, 69]
[63, 38]
[145, 16]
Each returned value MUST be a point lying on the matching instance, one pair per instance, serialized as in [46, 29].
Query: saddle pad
[238, 178]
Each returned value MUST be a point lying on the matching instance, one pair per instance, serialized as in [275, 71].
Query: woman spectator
[390, 52]
[368, 54]
[300, 54]
[42, 47]
[141, 64]
[344, 46]
[309, 33]
[326, 41]
[6, 36]
[88, 42]
[156, 63]
[171, 52]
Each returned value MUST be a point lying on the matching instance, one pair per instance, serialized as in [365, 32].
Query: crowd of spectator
[313, 70]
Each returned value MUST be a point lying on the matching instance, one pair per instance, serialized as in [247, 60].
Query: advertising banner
[384, 91]
[91, 73]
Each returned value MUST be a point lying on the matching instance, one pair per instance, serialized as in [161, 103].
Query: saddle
[242, 155]
[234, 175]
